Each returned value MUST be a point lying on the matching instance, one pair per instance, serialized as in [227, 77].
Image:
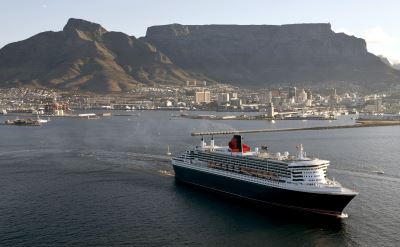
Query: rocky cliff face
[260, 55]
[85, 56]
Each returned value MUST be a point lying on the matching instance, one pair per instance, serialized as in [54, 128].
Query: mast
[300, 152]
[203, 143]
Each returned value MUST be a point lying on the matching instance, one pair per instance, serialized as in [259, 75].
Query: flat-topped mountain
[259, 55]
[85, 56]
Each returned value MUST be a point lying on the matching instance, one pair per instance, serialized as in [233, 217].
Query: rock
[264, 55]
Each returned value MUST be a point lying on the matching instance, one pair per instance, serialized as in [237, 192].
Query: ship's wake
[154, 163]
[159, 164]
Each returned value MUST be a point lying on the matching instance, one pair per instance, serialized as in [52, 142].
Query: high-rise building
[309, 94]
[379, 105]
[302, 96]
[292, 92]
[333, 97]
[269, 97]
[223, 98]
[333, 93]
[202, 97]
[270, 110]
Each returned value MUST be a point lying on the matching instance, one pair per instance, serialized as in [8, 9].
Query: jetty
[359, 124]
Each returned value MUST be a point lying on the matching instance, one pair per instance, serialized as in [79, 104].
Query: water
[106, 182]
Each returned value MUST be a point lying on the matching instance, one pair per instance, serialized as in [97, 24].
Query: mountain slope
[259, 55]
[85, 56]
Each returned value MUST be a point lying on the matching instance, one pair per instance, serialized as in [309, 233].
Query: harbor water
[108, 182]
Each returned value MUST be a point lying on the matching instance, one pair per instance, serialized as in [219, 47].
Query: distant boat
[42, 120]
[87, 115]
[168, 152]
[23, 122]
[272, 121]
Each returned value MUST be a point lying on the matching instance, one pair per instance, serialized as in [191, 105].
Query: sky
[378, 22]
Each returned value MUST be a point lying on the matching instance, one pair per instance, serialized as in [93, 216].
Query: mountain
[387, 62]
[85, 56]
[260, 55]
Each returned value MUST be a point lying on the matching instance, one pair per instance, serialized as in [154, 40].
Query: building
[292, 92]
[333, 95]
[275, 92]
[202, 97]
[168, 103]
[269, 97]
[270, 110]
[255, 98]
[308, 103]
[233, 96]
[236, 102]
[223, 98]
[302, 96]
[309, 94]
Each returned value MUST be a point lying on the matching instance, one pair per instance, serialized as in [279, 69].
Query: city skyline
[372, 20]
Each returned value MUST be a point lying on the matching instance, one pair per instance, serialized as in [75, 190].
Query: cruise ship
[280, 179]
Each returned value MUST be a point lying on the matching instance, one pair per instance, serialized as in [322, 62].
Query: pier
[359, 124]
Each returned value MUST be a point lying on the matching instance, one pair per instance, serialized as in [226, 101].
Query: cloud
[44, 6]
[377, 35]
[395, 61]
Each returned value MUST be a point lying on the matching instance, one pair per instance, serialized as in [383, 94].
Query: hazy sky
[376, 21]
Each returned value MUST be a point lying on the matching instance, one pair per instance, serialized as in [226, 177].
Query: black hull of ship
[327, 204]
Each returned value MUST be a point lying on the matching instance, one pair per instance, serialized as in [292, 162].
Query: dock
[254, 117]
[359, 124]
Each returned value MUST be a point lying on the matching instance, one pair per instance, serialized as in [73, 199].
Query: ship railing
[281, 183]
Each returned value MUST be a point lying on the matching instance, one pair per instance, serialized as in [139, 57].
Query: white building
[270, 110]
[302, 96]
[202, 97]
